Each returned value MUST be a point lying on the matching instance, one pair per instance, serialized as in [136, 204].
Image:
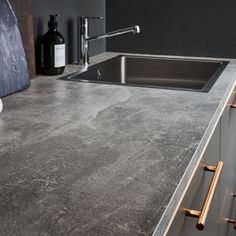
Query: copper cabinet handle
[234, 104]
[233, 221]
[202, 215]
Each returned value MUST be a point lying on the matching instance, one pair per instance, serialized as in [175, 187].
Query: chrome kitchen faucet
[85, 38]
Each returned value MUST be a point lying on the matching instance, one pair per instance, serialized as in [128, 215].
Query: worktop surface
[96, 159]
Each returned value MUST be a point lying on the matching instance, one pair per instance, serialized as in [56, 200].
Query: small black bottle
[53, 50]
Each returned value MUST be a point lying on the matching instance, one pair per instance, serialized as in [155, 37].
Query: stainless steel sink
[194, 75]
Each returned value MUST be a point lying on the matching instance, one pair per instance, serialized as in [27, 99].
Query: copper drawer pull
[233, 221]
[234, 104]
[202, 215]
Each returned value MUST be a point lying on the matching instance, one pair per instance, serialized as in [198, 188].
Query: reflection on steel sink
[193, 75]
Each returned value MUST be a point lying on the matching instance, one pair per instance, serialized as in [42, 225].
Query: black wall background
[177, 27]
[69, 10]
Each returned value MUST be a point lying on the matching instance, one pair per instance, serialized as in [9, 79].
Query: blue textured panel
[13, 67]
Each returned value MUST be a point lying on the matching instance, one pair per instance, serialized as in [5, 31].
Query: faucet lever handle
[93, 17]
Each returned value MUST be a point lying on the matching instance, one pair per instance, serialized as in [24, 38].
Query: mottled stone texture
[13, 67]
[98, 160]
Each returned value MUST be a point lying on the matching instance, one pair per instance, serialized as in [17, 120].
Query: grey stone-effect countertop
[95, 159]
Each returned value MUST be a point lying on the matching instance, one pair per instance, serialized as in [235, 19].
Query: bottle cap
[53, 21]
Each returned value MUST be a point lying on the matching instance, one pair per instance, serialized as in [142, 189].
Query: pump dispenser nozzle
[53, 21]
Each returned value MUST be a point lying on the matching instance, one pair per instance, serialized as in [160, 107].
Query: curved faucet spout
[133, 29]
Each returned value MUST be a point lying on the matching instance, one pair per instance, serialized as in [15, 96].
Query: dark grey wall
[183, 27]
[69, 10]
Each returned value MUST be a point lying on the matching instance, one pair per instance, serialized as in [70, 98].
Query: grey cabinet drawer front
[228, 179]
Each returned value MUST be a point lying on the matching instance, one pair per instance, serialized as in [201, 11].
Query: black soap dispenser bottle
[53, 50]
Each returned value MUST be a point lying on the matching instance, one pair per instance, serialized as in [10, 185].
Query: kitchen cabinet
[228, 178]
[194, 198]
[222, 213]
